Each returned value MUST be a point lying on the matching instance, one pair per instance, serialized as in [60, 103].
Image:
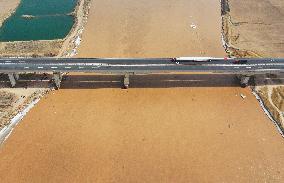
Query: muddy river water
[160, 28]
[165, 128]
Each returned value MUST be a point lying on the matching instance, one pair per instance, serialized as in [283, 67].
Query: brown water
[190, 134]
[147, 28]
[167, 128]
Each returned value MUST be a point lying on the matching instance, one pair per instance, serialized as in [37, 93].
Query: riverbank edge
[261, 92]
[64, 47]
[11, 120]
[10, 13]
[227, 36]
[51, 48]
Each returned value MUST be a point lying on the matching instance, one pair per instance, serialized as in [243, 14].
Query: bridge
[242, 67]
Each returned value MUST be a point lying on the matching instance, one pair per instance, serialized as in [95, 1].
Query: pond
[39, 20]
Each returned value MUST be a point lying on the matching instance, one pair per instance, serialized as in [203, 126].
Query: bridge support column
[57, 77]
[244, 80]
[13, 77]
[126, 81]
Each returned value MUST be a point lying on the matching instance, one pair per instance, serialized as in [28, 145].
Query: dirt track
[164, 129]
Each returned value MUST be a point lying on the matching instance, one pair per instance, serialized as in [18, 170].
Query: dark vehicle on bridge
[240, 61]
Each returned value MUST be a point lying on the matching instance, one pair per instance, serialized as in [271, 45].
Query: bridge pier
[13, 77]
[57, 78]
[126, 81]
[244, 80]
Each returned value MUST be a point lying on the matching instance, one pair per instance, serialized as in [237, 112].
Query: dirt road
[175, 128]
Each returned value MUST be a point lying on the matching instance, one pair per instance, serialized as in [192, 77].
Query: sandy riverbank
[61, 48]
[7, 7]
[256, 31]
[14, 100]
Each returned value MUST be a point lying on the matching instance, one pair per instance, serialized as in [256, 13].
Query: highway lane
[111, 65]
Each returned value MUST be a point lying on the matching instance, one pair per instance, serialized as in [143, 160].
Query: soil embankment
[255, 29]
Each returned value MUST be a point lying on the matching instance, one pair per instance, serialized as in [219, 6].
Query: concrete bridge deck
[149, 65]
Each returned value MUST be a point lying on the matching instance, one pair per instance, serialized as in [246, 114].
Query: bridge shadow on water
[150, 81]
[95, 81]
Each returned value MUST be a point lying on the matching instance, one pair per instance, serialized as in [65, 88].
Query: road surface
[128, 65]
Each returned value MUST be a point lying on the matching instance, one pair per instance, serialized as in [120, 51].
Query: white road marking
[40, 67]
